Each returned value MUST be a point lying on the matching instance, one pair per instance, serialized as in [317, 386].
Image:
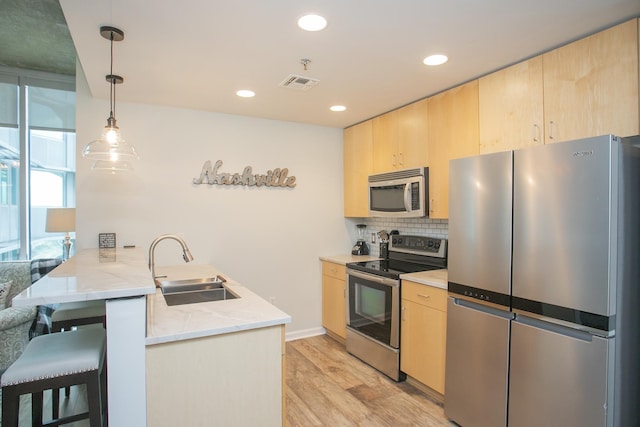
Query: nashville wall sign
[273, 178]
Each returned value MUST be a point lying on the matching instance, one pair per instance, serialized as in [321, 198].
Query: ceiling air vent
[296, 82]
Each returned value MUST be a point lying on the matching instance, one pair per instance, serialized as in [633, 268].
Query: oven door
[373, 306]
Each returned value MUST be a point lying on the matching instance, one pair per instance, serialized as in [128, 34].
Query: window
[37, 160]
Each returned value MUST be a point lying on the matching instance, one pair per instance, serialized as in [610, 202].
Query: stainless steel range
[373, 299]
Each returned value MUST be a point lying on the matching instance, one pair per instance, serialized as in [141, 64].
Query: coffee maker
[361, 247]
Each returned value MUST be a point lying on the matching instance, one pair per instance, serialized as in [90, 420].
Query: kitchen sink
[191, 291]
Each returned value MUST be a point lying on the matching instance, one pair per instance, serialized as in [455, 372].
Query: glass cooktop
[390, 268]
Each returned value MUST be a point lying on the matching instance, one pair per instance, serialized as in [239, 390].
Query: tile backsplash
[414, 226]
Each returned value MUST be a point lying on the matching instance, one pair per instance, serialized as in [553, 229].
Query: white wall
[269, 239]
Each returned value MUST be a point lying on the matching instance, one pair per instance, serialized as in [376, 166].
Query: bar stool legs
[50, 362]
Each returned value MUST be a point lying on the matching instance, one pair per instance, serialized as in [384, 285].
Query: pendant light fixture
[111, 152]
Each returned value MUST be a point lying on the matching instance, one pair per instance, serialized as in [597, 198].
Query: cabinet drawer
[334, 270]
[425, 295]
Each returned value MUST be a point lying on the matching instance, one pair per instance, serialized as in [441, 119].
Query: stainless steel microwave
[399, 194]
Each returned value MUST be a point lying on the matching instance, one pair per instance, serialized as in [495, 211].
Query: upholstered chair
[14, 321]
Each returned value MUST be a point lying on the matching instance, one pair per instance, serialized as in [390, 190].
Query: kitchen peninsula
[122, 279]
[185, 363]
[207, 361]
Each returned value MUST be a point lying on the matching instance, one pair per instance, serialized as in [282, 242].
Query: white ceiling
[196, 54]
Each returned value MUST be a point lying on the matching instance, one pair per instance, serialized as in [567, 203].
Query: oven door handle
[378, 279]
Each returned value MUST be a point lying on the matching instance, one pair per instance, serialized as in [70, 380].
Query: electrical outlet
[373, 237]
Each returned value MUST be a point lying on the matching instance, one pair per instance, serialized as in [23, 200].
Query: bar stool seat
[50, 362]
[79, 313]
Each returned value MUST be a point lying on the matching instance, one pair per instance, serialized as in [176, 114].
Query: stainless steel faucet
[186, 253]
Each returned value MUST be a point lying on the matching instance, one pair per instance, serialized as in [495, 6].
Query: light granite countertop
[435, 278]
[92, 274]
[180, 322]
[344, 259]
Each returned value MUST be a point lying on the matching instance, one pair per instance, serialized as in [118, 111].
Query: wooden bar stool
[50, 362]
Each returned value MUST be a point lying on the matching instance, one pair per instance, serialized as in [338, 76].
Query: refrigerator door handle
[483, 308]
[555, 328]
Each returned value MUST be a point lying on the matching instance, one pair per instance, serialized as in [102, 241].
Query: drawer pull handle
[424, 296]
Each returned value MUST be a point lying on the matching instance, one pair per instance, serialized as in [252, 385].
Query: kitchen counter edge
[434, 278]
[344, 259]
[91, 274]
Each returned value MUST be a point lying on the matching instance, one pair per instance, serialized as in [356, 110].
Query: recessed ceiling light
[435, 59]
[337, 108]
[312, 23]
[246, 93]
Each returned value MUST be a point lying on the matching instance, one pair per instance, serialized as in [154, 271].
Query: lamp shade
[61, 220]
[105, 150]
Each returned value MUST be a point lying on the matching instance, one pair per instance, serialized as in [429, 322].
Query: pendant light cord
[112, 92]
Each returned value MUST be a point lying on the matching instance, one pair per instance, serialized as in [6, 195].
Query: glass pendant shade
[110, 146]
[112, 166]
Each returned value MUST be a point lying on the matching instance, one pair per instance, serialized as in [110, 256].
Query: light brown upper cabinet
[453, 132]
[511, 107]
[591, 86]
[400, 138]
[412, 135]
[358, 159]
[586, 88]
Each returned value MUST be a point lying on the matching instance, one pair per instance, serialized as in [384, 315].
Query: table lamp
[62, 220]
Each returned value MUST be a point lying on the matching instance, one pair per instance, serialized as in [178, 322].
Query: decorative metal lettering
[273, 178]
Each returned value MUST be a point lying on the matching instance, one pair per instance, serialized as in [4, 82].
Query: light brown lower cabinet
[423, 334]
[233, 379]
[334, 306]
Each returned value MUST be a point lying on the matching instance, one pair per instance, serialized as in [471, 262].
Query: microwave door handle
[407, 197]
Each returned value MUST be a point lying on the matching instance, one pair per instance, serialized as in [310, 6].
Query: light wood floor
[326, 386]
[76, 403]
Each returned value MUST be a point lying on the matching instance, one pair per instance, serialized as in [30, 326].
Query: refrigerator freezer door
[475, 392]
[480, 211]
[562, 245]
[557, 379]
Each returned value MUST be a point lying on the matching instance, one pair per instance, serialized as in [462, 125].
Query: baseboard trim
[338, 338]
[305, 333]
[433, 395]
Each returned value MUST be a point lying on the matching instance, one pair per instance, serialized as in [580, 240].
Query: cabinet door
[334, 315]
[358, 159]
[452, 127]
[385, 142]
[591, 86]
[412, 135]
[423, 341]
[510, 103]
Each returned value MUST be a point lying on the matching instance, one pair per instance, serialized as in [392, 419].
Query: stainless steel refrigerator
[542, 322]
